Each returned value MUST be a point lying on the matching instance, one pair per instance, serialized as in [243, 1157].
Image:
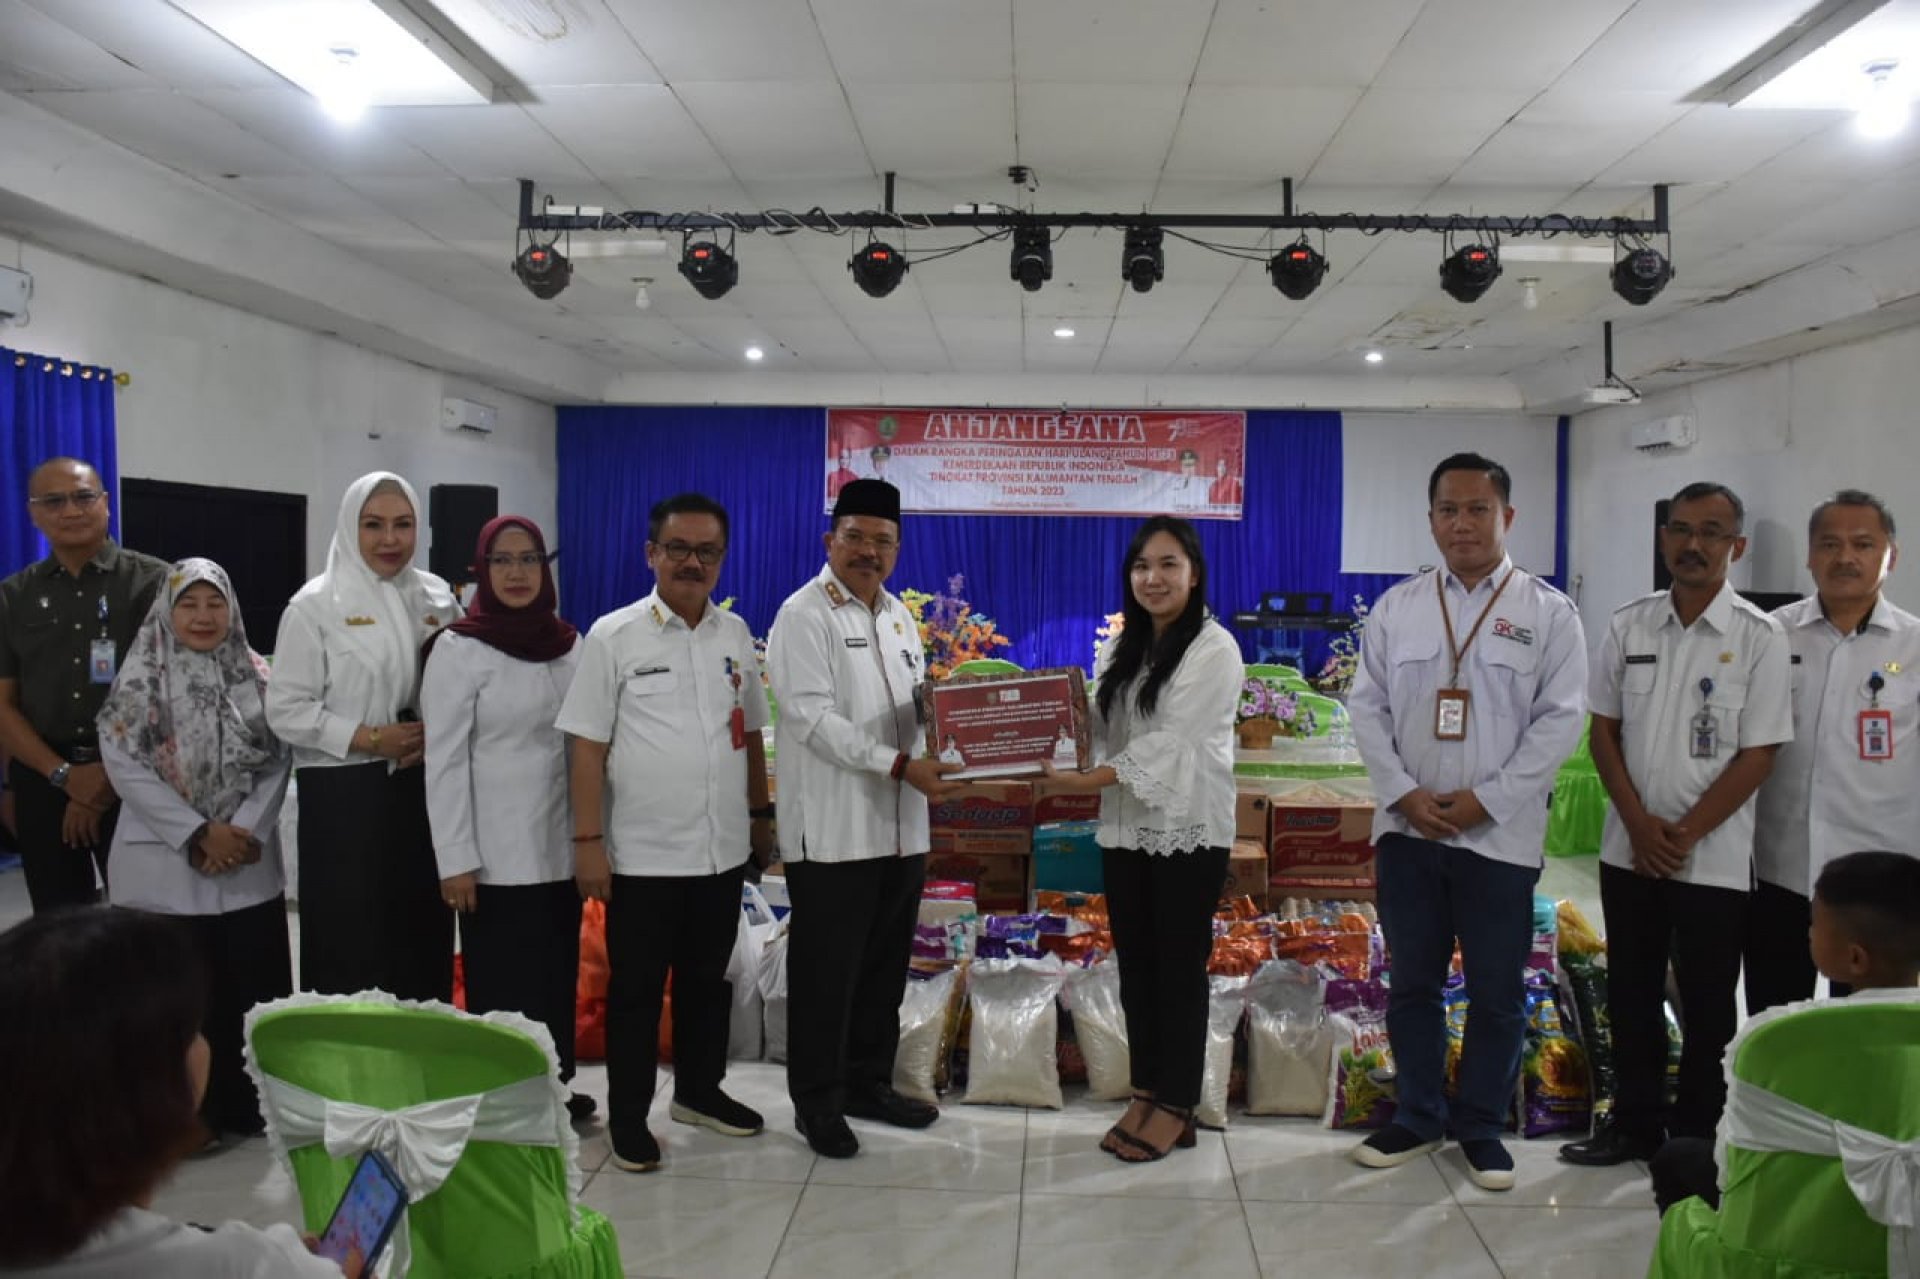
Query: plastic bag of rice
[1015, 1029]
[1226, 1005]
[1092, 995]
[924, 1033]
[1288, 1041]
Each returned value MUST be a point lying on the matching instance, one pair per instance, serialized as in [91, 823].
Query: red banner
[1044, 461]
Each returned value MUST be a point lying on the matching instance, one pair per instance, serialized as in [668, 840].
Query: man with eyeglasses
[1850, 779]
[668, 778]
[65, 623]
[1690, 704]
[845, 657]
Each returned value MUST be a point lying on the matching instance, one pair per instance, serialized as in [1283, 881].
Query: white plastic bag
[1012, 1057]
[745, 1026]
[1092, 995]
[923, 1034]
[1226, 1004]
[773, 992]
[1288, 1041]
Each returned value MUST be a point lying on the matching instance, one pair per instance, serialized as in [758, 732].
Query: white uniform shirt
[1175, 765]
[662, 694]
[844, 678]
[330, 676]
[1648, 677]
[137, 1242]
[150, 868]
[1526, 678]
[496, 765]
[1822, 800]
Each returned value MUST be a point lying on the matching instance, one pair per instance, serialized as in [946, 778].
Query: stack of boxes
[1321, 850]
[995, 836]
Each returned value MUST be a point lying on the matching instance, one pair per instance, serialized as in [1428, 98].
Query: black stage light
[1144, 262]
[1469, 272]
[543, 269]
[710, 269]
[1297, 270]
[1640, 275]
[877, 269]
[1032, 257]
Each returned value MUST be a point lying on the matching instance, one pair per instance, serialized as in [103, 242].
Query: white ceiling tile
[497, 141]
[885, 42]
[1078, 131]
[934, 130]
[1570, 137]
[171, 129]
[727, 39]
[1239, 130]
[39, 52]
[1713, 143]
[327, 207]
[547, 43]
[1495, 46]
[778, 129]
[1141, 42]
[1399, 135]
[628, 131]
[1679, 46]
[291, 121]
[1305, 43]
[162, 42]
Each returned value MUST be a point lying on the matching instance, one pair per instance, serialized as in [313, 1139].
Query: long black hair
[1138, 646]
[98, 1006]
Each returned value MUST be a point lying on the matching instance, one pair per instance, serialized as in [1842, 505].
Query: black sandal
[1116, 1134]
[1150, 1153]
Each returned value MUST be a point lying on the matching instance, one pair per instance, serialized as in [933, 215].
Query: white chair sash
[1883, 1174]
[423, 1142]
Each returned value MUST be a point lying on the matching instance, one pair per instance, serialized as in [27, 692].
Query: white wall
[221, 396]
[1782, 436]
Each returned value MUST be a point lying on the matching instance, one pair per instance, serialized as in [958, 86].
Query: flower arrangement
[950, 631]
[1272, 711]
[1107, 629]
[1343, 660]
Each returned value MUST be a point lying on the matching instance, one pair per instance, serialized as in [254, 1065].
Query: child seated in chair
[1865, 936]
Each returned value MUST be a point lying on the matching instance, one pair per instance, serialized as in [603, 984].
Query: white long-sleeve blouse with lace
[1175, 766]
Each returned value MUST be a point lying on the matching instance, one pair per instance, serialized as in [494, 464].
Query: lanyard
[1459, 650]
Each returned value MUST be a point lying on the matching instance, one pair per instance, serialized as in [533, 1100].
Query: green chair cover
[1328, 713]
[1783, 1214]
[1578, 815]
[1281, 676]
[987, 666]
[506, 1211]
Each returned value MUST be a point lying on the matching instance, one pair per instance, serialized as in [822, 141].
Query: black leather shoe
[581, 1107]
[1608, 1146]
[889, 1107]
[828, 1135]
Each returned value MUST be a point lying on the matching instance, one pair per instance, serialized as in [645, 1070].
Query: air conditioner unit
[465, 415]
[16, 287]
[1665, 433]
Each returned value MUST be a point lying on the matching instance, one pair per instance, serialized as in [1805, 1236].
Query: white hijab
[403, 609]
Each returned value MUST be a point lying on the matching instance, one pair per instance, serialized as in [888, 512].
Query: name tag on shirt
[1876, 735]
[645, 671]
[856, 641]
[101, 661]
[1642, 659]
[1794, 660]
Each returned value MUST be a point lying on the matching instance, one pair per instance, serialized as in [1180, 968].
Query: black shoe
[1390, 1147]
[828, 1135]
[889, 1107]
[640, 1155]
[1608, 1146]
[581, 1107]
[719, 1112]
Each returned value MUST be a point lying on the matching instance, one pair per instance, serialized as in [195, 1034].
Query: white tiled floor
[990, 1191]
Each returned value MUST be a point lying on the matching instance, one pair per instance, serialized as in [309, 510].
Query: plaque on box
[1008, 725]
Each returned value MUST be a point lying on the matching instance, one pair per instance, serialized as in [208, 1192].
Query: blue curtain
[49, 408]
[1046, 580]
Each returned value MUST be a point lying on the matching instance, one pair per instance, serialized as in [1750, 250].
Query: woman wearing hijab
[184, 738]
[345, 696]
[496, 775]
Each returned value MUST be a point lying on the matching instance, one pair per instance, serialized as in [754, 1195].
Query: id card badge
[737, 722]
[1704, 736]
[1876, 735]
[101, 662]
[1450, 715]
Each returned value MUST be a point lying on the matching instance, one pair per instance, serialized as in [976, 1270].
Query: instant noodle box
[1321, 850]
[1250, 816]
[986, 817]
[1247, 872]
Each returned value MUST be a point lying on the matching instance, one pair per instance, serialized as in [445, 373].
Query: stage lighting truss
[1297, 269]
[1640, 271]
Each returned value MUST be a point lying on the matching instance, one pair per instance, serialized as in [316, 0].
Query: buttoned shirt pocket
[1510, 669]
[1727, 700]
[1638, 682]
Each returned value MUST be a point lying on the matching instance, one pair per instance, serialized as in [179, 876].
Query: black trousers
[1702, 931]
[1682, 1169]
[686, 923]
[847, 952]
[56, 875]
[1161, 908]
[371, 914]
[522, 948]
[1778, 959]
[248, 962]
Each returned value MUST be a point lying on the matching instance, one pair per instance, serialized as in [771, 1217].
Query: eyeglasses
[1711, 535]
[526, 559]
[854, 538]
[54, 503]
[707, 553]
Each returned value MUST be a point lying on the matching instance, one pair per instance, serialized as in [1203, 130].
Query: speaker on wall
[455, 514]
[1661, 578]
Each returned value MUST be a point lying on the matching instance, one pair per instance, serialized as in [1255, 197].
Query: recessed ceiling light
[1063, 332]
[1374, 357]
[1884, 107]
[755, 353]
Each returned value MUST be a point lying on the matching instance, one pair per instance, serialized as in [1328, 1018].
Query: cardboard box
[1250, 816]
[1325, 889]
[1067, 858]
[985, 806]
[1247, 871]
[1320, 850]
[1066, 808]
[1003, 882]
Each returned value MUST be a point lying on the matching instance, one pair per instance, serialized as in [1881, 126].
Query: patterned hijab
[195, 719]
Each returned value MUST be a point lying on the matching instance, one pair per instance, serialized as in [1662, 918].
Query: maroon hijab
[535, 633]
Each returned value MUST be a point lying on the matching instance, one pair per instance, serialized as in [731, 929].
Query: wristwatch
[58, 777]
